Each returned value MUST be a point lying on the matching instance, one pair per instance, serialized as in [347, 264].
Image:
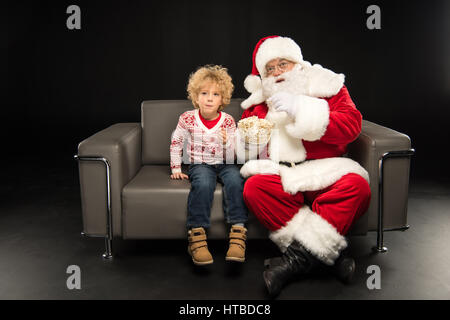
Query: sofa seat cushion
[155, 206]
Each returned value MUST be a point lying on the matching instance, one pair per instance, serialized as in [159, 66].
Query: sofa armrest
[368, 149]
[120, 145]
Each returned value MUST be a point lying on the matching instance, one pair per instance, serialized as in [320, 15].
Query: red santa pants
[339, 204]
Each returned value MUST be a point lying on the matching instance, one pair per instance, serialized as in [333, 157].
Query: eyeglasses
[282, 66]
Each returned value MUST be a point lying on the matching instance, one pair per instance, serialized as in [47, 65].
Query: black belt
[289, 164]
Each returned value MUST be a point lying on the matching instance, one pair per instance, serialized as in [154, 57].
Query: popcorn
[255, 130]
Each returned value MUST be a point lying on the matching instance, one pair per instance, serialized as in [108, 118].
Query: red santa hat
[269, 48]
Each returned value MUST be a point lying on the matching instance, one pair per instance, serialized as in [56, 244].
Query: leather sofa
[126, 190]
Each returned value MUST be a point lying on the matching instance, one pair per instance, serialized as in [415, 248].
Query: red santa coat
[344, 126]
[326, 121]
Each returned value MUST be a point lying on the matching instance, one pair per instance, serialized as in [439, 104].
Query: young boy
[210, 135]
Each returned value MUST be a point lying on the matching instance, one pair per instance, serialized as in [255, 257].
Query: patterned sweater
[192, 142]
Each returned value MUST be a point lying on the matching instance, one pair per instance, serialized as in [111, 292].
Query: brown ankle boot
[236, 251]
[198, 248]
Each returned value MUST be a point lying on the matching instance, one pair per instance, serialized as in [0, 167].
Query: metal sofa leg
[380, 230]
[109, 228]
[108, 253]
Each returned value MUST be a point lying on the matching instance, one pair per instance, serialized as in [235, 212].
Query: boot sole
[234, 259]
[197, 263]
[200, 263]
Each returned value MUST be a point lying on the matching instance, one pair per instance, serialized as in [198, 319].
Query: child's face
[209, 99]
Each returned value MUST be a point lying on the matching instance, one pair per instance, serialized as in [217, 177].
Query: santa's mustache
[293, 81]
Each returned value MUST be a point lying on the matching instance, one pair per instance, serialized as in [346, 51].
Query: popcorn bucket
[255, 131]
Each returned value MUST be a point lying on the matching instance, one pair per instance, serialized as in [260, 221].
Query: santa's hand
[283, 101]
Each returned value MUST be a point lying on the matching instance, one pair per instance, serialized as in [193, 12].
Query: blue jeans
[203, 179]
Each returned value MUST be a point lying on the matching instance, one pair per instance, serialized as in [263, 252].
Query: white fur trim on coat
[318, 174]
[282, 145]
[311, 119]
[316, 234]
[323, 83]
[256, 97]
[254, 167]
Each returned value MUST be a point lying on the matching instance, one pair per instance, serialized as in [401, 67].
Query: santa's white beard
[295, 82]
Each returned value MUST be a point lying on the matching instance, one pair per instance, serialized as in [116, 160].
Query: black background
[64, 85]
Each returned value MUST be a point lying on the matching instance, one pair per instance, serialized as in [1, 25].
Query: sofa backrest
[159, 119]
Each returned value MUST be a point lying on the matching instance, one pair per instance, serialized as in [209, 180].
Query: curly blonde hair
[213, 73]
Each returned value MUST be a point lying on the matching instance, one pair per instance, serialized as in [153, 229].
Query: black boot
[294, 262]
[344, 268]
[272, 262]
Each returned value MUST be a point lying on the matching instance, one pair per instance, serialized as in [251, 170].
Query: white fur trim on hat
[316, 234]
[279, 47]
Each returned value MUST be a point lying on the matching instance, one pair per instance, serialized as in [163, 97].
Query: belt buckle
[289, 164]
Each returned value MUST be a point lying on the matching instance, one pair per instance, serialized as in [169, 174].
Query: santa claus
[307, 193]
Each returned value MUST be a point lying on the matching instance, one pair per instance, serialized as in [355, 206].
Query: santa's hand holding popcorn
[305, 192]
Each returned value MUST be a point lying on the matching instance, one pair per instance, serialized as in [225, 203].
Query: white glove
[283, 101]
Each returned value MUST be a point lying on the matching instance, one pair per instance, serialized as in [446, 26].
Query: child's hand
[179, 176]
[223, 136]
